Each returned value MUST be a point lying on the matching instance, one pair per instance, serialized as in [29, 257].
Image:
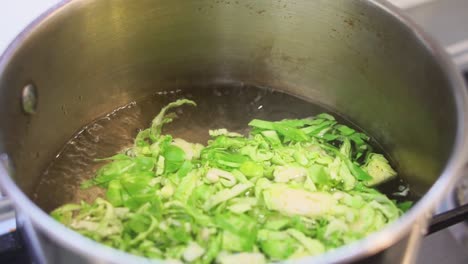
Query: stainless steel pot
[82, 59]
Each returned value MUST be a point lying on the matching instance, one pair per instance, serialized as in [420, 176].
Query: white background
[17, 14]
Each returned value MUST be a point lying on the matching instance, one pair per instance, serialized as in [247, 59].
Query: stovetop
[12, 249]
[445, 20]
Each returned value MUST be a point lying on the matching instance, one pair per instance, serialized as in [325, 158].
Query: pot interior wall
[91, 57]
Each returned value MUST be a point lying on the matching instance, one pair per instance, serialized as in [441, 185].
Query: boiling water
[218, 107]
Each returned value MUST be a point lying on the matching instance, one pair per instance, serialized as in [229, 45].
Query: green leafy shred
[291, 188]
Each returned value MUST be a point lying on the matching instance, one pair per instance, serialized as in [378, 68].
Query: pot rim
[367, 246]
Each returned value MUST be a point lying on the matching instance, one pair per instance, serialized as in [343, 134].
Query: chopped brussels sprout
[289, 201]
[379, 169]
[291, 188]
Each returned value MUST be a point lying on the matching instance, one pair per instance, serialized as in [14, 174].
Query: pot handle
[6, 210]
[447, 219]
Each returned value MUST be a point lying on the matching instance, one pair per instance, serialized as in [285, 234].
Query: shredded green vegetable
[291, 188]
